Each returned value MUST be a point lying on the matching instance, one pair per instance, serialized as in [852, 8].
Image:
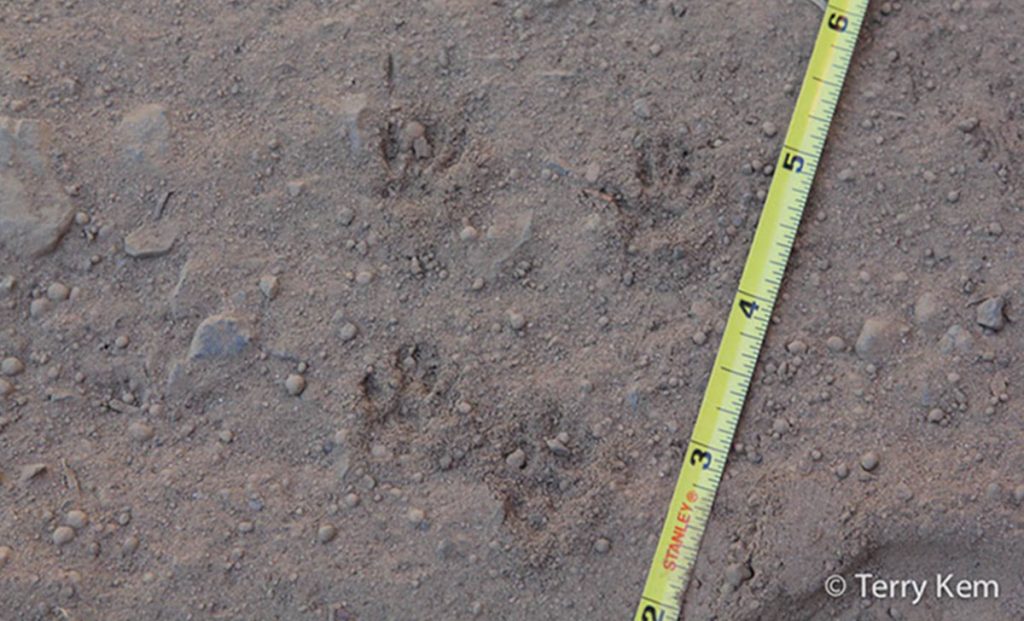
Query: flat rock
[202, 278]
[501, 240]
[927, 309]
[990, 313]
[219, 336]
[144, 134]
[35, 213]
[356, 123]
[30, 471]
[877, 339]
[150, 241]
[956, 340]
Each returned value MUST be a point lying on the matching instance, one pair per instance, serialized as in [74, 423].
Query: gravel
[990, 313]
[140, 431]
[11, 366]
[347, 331]
[516, 460]
[76, 519]
[869, 461]
[295, 384]
[326, 533]
[62, 535]
[516, 320]
[58, 292]
[269, 286]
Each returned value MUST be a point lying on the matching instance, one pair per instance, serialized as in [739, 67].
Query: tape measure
[751, 311]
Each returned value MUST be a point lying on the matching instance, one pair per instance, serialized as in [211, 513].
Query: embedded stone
[219, 336]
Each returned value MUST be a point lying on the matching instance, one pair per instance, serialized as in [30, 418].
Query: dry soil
[342, 310]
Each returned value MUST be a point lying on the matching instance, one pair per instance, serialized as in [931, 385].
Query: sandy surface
[368, 311]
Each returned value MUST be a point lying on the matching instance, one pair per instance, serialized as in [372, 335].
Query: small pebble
[556, 446]
[246, 526]
[76, 519]
[602, 545]
[5, 555]
[878, 337]
[121, 342]
[30, 471]
[869, 461]
[936, 416]
[990, 314]
[364, 277]
[326, 533]
[352, 500]
[295, 384]
[468, 233]
[39, 307]
[416, 517]
[140, 431]
[516, 320]
[738, 573]
[58, 292]
[516, 459]
[842, 471]
[413, 130]
[835, 344]
[270, 286]
[699, 337]
[63, 535]
[6, 388]
[927, 308]
[11, 366]
[642, 108]
[968, 124]
[346, 216]
[347, 331]
[797, 347]
[769, 129]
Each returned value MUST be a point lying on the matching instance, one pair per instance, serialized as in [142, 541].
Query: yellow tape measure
[748, 320]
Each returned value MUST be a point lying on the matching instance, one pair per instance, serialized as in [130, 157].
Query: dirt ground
[342, 310]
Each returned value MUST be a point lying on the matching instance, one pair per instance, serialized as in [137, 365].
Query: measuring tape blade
[733, 370]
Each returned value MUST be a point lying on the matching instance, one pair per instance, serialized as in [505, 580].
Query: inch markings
[704, 459]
